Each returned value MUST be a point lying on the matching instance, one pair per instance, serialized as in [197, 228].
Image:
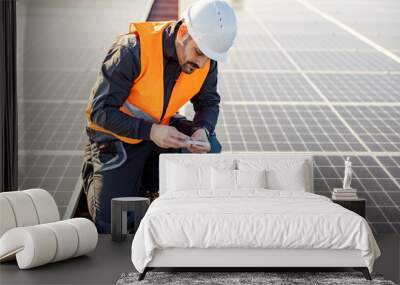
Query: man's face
[189, 55]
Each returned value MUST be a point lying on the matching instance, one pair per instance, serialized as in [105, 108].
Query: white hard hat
[212, 25]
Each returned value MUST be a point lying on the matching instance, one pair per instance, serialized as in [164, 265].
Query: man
[147, 75]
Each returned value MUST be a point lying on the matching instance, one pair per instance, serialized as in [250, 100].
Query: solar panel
[253, 41]
[358, 87]
[257, 59]
[392, 165]
[244, 86]
[284, 128]
[55, 173]
[78, 58]
[52, 126]
[61, 45]
[340, 61]
[377, 126]
[300, 27]
[339, 98]
[57, 85]
[321, 42]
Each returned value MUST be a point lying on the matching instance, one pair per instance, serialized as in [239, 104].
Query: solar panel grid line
[320, 42]
[332, 50]
[267, 129]
[254, 130]
[267, 71]
[281, 130]
[61, 100]
[323, 72]
[295, 129]
[50, 152]
[240, 130]
[221, 124]
[251, 117]
[236, 84]
[64, 68]
[310, 103]
[62, 175]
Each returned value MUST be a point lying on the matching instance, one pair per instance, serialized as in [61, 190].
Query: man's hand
[167, 136]
[199, 135]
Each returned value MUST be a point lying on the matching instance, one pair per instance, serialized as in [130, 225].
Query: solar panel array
[61, 47]
[320, 76]
[302, 76]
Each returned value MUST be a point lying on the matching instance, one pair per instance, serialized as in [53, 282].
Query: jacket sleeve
[118, 71]
[206, 101]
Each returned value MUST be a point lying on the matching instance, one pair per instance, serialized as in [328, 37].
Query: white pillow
[251, 178]
[182, 177]
[282, 174]
[291, 178]
[223, 179]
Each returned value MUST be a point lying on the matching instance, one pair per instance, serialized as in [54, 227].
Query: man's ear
[182, 32]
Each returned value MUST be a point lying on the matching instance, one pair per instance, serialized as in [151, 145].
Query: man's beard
[188, 67]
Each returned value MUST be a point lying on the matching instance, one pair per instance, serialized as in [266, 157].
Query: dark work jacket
[118, 71]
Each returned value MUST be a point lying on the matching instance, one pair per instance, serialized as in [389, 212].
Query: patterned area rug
[231, 278]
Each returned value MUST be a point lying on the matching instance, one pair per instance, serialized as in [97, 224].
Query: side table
[355, 205]
[119, 209]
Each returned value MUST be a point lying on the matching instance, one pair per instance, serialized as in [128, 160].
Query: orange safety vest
[146, 96]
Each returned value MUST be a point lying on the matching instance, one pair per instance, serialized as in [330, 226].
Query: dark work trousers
[117, 169]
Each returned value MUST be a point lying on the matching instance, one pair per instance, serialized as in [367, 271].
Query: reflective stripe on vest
[138, 113]
[146, 98]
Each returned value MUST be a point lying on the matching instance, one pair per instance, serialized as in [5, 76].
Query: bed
[246, 210]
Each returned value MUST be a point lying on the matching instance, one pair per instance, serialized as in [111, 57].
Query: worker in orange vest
[132, 115]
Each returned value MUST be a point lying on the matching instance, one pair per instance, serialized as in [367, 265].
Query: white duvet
[250, 219]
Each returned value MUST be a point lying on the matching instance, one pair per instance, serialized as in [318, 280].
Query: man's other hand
[199, 135]
[167, 136]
